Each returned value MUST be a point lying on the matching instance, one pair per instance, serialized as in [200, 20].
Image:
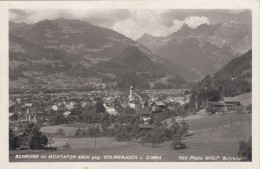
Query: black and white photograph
[129, 85]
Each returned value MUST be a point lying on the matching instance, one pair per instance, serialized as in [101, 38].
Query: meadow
[210, 135]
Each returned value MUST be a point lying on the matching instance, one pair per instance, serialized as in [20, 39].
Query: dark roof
[230, 99]
[145, 126]
[172, 108]
[143, 95]
[143, 112]
[218, 103]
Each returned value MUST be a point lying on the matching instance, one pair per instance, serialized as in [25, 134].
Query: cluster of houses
[142, 103]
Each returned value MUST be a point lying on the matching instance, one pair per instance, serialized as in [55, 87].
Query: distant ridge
[234, 78]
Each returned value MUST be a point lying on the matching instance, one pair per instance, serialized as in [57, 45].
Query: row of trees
[155, 135]
[90, 132]
[200, 97]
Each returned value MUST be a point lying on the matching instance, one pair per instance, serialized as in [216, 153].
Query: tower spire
[131, 93]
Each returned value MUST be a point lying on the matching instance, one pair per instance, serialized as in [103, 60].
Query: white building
[54, 108]
[110, 110]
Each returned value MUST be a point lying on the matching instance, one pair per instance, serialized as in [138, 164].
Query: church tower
[131, 97]
[28, 115]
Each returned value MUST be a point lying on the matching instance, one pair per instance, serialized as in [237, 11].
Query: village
[147, 117]
[100, 111]
[35, 107]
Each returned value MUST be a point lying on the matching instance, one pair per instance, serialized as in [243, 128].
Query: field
[210, 135]
[69, 129]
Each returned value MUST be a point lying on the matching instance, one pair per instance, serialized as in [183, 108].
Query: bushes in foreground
[32, 137]
[245, 150]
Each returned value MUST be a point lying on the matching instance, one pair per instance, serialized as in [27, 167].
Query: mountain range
[203, 50]
[80, 39]
[78, 49]
[73, 53]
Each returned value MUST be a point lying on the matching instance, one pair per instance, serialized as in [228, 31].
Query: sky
[133, 23]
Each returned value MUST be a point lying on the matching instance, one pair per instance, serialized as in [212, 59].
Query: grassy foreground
[216, 139]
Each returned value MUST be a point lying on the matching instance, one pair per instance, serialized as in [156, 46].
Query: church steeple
[131, 97]
[28, 115]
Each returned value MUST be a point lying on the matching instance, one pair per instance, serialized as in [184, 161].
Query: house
[11, 103]
[125, 105]
[62, 107]
[110, 110]
[27, 105]
[69, 106]
[18, 100]
[172, 108]
[218, 106]
[66, 113]
[143, 97]
[54, 108]
[154, 108]
[145, 115]
[144, 104]
[145, 127]
[13, 116]
[232, 101]
[132, 104]
[83, 104]
[72, 103]
[34, 120]
[160, 104]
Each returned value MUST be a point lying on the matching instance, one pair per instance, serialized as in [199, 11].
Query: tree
[33, 137]
[56, 118]
[105, 130]
[78, 132]
[97, 131]
[60, 132]
[184, 127]
[245, 150]
[37, 140]
[91, 132]
[50, 141]
[12, 140]
[83, 133]
[105, 119]
[209, 108]
[112, 132]
[99, 106]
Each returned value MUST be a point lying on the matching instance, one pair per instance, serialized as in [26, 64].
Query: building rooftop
[66, 113]
[230, 99]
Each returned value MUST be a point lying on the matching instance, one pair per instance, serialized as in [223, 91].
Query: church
[136, 101]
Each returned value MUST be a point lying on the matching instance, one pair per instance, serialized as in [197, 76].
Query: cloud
[195, 21]
[141, 22]
[17, 15]
[95, 16]
[192, 21]
[133, 23]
